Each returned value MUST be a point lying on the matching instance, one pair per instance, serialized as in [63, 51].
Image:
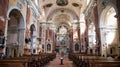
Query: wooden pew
[38, 60]
[105, 63]
[81, 60]
[14, 63]
[41, 60]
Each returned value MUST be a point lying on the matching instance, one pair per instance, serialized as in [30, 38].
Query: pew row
[93, 61]
[28, 60]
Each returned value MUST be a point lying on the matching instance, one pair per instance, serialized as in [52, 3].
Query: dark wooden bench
[37, 60]
[14, 63]
[81, 60]
[105, 63]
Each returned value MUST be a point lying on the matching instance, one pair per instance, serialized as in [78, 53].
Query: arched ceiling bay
[62, 18]
[63, 11]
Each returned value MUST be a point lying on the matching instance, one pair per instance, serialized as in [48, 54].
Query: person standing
[61, 58]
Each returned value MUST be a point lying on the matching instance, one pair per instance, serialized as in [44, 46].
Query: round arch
[60, 18]
[15, 7]
[15, 31]
[108, 30]
[63, 10]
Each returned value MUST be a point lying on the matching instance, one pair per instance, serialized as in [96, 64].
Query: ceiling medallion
[62, 2]
[49, 5]
[75, 4]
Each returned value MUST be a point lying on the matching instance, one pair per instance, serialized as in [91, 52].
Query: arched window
[48, 47]
[76, 47]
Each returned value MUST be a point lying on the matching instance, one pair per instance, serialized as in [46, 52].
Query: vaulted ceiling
[63, 11]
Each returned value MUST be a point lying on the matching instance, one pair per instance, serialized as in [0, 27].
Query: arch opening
[109, 31]
[15, 31]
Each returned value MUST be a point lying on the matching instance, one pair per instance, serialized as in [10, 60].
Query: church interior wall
[30, 17]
